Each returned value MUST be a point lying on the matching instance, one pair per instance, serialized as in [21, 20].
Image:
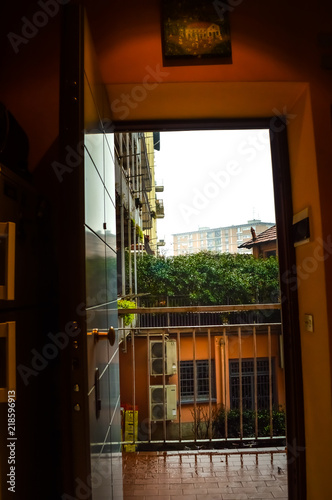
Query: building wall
[265, 249]
[222, 239]
[134, 379]
[152, 233]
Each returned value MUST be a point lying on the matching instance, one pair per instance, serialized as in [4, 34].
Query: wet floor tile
[203, 475]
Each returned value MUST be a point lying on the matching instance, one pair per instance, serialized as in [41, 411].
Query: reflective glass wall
[101, 286]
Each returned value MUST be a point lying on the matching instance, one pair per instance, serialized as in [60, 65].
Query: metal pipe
[122, 230]
[148, 383]
[215, 440]
[195, 382]
[179, 383]
[210, 386]
[205, 309]
[270, 380]
[135, 261]
[255, 380]
[240, 382]
[164, 388]
[225, 383]
[134, 382]
[129, 249]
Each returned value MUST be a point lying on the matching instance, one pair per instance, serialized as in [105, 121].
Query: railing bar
[255, 381]
[202, 328]
[240, 382]
[148, 385]
[210, 386]
[134, 380]
[225, 384]
[216, 440]
[125, 340]
[164, 388]
[200, 309]
[168, 314]
[179, 385]
[270, 380]
[195, 383]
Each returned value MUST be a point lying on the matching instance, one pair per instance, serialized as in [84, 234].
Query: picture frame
[195, 32]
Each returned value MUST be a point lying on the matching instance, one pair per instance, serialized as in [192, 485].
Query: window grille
[248, 384]
[202, 381]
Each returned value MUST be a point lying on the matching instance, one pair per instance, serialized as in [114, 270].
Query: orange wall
[186, 353]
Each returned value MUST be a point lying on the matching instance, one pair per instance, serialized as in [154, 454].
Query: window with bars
[248, 384]
[202, 386]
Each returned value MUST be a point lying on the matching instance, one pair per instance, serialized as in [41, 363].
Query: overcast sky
[213, 179]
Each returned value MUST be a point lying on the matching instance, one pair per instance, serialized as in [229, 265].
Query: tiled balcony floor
[218, 475]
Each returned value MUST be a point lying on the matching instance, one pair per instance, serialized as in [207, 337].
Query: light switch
[309, 322]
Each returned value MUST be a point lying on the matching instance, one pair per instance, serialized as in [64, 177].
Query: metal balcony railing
[160, 212]
[218, 384]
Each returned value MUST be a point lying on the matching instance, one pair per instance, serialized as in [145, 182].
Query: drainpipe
[129, 246]
[135, 260]
[222, 371]
[122, 224]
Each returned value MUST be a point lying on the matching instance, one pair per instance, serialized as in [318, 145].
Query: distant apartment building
[221, 239]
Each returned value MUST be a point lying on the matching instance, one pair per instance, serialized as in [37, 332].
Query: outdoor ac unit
[156, 357]
[163, 402]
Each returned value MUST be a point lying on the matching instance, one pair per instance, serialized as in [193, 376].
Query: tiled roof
[266, 236]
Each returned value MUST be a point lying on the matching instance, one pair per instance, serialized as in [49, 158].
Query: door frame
[296, 456]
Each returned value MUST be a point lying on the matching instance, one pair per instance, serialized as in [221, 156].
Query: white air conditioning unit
[156, 357]
[163, 402]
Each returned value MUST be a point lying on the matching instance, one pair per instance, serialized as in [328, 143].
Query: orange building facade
[216, 357]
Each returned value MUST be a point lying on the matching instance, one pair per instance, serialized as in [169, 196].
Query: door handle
[8, 360]
[104, 335]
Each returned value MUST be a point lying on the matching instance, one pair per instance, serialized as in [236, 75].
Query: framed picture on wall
[195, 32]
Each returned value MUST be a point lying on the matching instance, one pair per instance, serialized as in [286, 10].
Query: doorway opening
[190, 382]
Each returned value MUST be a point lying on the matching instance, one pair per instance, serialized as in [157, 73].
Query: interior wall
[311, 292]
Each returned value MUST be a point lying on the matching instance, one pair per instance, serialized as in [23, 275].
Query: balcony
[145, 165]
[211, 383]
[160, 212]
[146, 213]
[208, 394]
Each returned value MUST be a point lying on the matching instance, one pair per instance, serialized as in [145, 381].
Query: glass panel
[94, 198]
[99, 426]
[109, 178]
[95, 270]
[94, 145]
[111, 275]
[110, 231]
[101, 279]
